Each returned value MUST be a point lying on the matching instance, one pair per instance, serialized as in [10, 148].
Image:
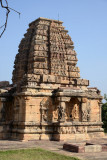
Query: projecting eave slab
[69, 92]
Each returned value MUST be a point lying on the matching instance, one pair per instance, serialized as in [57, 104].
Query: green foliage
[33, 154]
[105, 97]
[104, 113]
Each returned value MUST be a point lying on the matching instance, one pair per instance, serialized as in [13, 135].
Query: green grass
[32, 154]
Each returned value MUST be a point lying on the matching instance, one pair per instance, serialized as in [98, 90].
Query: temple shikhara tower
[48, 99]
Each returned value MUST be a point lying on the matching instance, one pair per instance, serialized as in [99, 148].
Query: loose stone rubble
[48, 99]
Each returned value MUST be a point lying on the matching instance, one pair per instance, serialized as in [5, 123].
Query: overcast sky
[86, 21]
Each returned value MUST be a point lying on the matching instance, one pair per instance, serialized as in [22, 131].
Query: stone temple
[47, 99]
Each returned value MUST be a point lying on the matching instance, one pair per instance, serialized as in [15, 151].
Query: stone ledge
[79, 123]
[33, 94]
[95, 130]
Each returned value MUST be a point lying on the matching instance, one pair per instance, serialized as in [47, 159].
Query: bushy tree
[104, 113]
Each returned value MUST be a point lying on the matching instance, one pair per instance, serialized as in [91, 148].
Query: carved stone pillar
[2, 109]
[100, 111]
[44, 111]
[62, 107]
[84, 110]
[61, 112]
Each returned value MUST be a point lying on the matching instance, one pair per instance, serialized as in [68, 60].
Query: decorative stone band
[61, 92]
[56, 79]
[95, 130]
[74, 123]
